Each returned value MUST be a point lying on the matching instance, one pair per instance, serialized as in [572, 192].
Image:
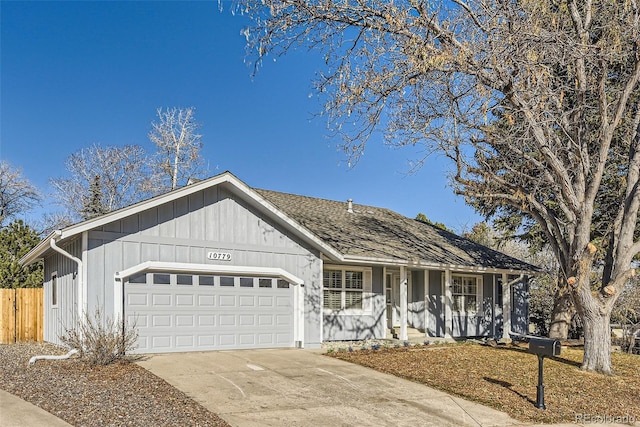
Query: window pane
[161, 279]
[353, 279]
[333, 279]
[283, 284]
[332, 299]
[54, 290]
[246, 282]
[183, 279]
[353, 299]
[138, 278]
[470, 286]
[457, 301]
[471, 303]
[226, 281]
[265, 283]
[205, 280]
[456, 287]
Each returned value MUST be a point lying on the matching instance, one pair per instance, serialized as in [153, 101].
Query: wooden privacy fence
[21, 315]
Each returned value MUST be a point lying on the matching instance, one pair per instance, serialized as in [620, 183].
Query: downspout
[56, 236]
[63, 357]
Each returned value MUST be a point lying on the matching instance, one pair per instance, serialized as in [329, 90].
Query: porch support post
[448, 300]
[403, 304]
[506, 308]
[426, 302]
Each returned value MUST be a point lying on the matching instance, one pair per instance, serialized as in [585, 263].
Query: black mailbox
[544, 347]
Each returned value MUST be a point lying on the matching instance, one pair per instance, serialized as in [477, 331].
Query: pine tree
[94, 205]
[16, 240]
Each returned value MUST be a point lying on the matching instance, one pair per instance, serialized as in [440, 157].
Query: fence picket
[21, 315]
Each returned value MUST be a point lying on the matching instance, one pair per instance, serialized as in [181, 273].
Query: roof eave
[226, 177]
[432, 265]
[36, 253]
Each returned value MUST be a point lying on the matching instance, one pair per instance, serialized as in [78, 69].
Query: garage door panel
[227, 300]
[206, 341]
[246, 320]
[161, 299]
[206, 320]
[184, 300]
[265, 301]
[179, 318]
[184, 320]
[265, 320]
[206, 301]
[160, 320]
[185, 341]
[246, 339]
[137, 299]
[162, 342]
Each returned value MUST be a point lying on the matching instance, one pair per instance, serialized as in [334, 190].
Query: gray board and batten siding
[61, 292]
[184, 231]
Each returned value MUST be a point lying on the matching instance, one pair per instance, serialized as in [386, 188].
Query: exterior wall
[345, 327]
[185, 230]
[436, 327]
[65, 315]
[520, 309]
[416, 305]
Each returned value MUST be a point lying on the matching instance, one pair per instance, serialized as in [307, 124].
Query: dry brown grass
[505, 378]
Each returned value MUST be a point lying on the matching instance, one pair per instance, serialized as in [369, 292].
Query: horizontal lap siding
[185, 230]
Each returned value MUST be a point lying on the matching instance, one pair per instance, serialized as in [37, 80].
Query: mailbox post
[543, 347]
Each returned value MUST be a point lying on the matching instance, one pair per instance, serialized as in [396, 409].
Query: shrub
[101, 340]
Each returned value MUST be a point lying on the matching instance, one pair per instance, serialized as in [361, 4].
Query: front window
[54, 290]
[343, 289]
[464, 292]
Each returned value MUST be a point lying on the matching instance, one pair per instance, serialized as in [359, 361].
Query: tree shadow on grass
[526, 350]
[508, 386]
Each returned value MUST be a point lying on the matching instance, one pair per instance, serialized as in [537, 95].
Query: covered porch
[447, 303]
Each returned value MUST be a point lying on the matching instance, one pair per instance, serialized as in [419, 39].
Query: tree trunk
[563, 311]
[597, 341]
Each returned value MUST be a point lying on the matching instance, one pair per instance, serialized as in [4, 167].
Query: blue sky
[78, 73]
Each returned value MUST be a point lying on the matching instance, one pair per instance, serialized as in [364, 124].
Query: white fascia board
[293, 225]
[35, 253]
[144, 205]
[90, 224]
[159, 266]
[394, 262]
[225, 177]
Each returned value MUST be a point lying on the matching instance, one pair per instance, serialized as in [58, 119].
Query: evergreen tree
[94, 205]
[16, 240]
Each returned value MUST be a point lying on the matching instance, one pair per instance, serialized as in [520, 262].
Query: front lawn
[505, 378]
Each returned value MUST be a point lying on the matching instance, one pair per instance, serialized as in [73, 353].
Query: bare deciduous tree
[179, 143]
[535, 102]
[17, 194]
[121, 173]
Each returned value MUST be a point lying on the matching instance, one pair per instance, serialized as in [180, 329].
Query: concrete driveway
[294, 387]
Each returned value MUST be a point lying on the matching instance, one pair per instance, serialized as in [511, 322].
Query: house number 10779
[219, 256]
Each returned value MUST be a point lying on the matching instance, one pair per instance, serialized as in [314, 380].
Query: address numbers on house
[219, 256]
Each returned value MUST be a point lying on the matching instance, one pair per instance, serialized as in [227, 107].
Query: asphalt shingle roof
[381, 233]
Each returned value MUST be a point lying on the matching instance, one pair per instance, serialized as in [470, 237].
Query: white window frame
[55, 291]
[367, 295]
[478, 309]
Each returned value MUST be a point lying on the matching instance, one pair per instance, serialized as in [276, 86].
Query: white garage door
[185, 312]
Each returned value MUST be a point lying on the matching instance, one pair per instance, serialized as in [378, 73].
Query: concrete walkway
[15, 412]
[303, 388]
